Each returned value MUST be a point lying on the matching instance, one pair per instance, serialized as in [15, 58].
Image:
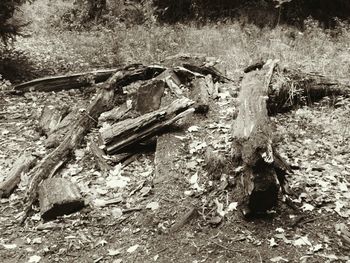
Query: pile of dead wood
[192, 83]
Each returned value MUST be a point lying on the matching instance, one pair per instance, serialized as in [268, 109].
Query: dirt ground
[130, 218]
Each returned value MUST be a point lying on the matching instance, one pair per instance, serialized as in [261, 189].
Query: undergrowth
[59, 50]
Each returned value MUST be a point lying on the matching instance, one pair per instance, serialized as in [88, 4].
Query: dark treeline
[260, 12]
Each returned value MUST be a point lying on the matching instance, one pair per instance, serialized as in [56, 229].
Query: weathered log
[21, 166]
[127, 75]
[51, 117]
[57, 197]
[116, 114]
[200, 94]
[263, 171]
[56, 135]
[290, 88]
[103, 102]
[98, 155]
[173, 82]
[141, 128]
[65, 82]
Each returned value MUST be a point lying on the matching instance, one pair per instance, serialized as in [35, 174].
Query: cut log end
[57, 197]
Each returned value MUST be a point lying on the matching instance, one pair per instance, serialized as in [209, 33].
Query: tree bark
[51, 117]
[21, 166]
[261, 170]
[65, 82]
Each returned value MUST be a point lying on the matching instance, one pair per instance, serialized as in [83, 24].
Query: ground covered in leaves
[194, 218]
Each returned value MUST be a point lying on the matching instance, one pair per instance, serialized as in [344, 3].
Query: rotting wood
[65, 82]
[88, 119]
[200, 94]
[98, 155]
[21, 166]
[116, 114]
[184, 219]
[149, 96]
[57, 197]
[56, 135]
[173, 82]
[132, 131]
[293, 87]
[263, 170]
[290, 88]
[126, 75]
[50, 118]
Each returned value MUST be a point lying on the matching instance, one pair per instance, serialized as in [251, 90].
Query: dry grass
[62, 51]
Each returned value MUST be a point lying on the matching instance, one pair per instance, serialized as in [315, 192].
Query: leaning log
[57, 197]
[132, 131]
[21, 166]
[262, 171]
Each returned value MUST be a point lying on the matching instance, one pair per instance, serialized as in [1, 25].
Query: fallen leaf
[220, 208]
[116, 212]
[113, 252]
[193, 128]
[132, 249]
[273, 242]
[279, 259]
[302, 241]
[37, 240]
[194, 178]
[153, 206]
[34, 259]
[280, 230]
[317, 248]
[9, 246]
[307, 207]
[117, 181]
[232, 206]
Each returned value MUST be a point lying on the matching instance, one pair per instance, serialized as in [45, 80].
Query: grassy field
[62, 50]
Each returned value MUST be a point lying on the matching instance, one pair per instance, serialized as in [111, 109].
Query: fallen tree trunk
[57, 83]
[261, 169]
[21, 165]
[65, 82]
[290, 88]
[141, 128]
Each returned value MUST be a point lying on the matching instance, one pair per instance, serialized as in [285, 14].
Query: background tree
[9, 27]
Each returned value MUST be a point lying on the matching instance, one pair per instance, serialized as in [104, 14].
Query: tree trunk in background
[95, 9]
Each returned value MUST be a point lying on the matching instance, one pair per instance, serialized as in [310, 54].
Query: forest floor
[138, 225]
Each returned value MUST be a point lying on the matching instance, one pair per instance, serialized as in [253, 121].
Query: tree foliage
[9, 27]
